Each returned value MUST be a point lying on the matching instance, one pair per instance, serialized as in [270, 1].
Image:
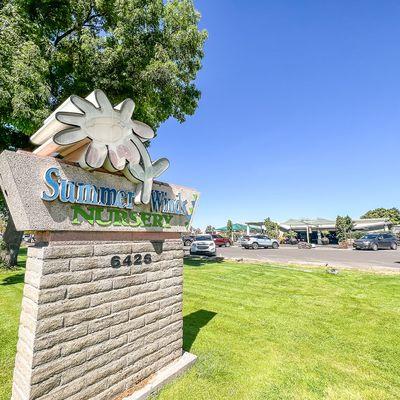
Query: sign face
[47, 194]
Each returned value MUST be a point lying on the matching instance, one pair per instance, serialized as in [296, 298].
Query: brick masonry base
[90, 330]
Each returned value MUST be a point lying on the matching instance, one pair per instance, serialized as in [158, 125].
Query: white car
[255, 242]
[203, 245]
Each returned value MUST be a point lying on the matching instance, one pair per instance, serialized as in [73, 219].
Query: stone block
[66, 278]
[113, 320]
[128, 326]
[63, 307]
[52, 295]
[112, 249]
[60, 336]
[84, 289]
[111, 297]
[93, 313]
[47, 325]
[74, 346]
[105, 347]
[125, 281]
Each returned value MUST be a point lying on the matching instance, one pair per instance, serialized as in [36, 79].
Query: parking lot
[319, 256]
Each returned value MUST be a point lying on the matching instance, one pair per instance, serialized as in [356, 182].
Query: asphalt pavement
[334, 257]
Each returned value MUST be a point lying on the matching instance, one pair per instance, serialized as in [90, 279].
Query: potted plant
[325, 238]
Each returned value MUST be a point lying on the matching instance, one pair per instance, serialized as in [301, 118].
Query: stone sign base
[98, 318]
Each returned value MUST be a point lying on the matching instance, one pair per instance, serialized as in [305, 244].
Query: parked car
[203, 245]
[28, 238]
[376, 241]
[188, 239]
[254, 242]
[221, 241]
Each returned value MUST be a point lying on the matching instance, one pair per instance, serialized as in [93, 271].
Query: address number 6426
[137, 259]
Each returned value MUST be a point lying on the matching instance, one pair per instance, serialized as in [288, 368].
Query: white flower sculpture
[115, 140]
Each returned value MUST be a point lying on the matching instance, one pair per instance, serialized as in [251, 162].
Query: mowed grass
[11, 287]
[269, 332]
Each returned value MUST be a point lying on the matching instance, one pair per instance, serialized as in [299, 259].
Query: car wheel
[187, 243]
[255, 246]
[246, 247]
[275, 245]
[228, 244]
[374, 247]
[393, 246]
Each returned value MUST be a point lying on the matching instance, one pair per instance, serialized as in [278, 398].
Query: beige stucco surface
[21, 179]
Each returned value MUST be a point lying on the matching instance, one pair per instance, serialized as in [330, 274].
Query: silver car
[255, 242]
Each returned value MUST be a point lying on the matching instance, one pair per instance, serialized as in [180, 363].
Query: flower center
[106, 129]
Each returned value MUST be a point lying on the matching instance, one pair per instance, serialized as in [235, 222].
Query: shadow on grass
[192, 323]
[198, 262]
[13, 279]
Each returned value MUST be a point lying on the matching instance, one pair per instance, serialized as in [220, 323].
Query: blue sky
[299, 115]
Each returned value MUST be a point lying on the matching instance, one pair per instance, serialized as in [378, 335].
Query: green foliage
[393, 214]
[148, 50]
[271, 228]
[344, 226]
[229, 228]
[291, 234]
[358, 234]
[210, 229]
[325, 233]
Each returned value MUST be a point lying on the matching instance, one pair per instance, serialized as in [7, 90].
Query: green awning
[239, 228]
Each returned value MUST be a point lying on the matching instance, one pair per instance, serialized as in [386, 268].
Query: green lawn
[270, 332]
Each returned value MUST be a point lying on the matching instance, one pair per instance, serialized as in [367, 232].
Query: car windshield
[204, 237]
[369, 237]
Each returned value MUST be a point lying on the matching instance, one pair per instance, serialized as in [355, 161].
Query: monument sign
[102, 304]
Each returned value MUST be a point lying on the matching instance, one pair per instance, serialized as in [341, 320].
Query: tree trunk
[12, 240]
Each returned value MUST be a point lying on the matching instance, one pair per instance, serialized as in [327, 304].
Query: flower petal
[84, 105]
[127, 107]
[117, 162]
[103, 101]
[119, 153]
[95, 155]
[131, 152]
[70, 118]
[143, 130]
[69, 136]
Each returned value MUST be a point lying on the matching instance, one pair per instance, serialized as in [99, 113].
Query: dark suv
[376, 241]
[187, 240]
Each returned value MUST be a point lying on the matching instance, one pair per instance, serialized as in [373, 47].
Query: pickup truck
[221, 241]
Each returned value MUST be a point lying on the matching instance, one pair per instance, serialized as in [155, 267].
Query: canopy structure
[322, 223]
[235, 228]
[241, 228]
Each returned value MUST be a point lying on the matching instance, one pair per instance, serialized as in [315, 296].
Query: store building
[309, 230]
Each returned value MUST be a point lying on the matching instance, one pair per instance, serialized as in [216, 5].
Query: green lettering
[158, 220]
[99, 218]
[135, 219]
[146, 219]
[87, 216]
[167, 219]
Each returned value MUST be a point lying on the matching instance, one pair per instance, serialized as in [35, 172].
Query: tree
[210, 229]
[271, 228]
[344, 226]
[393, 214]
[148, 50]
[229, 229]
